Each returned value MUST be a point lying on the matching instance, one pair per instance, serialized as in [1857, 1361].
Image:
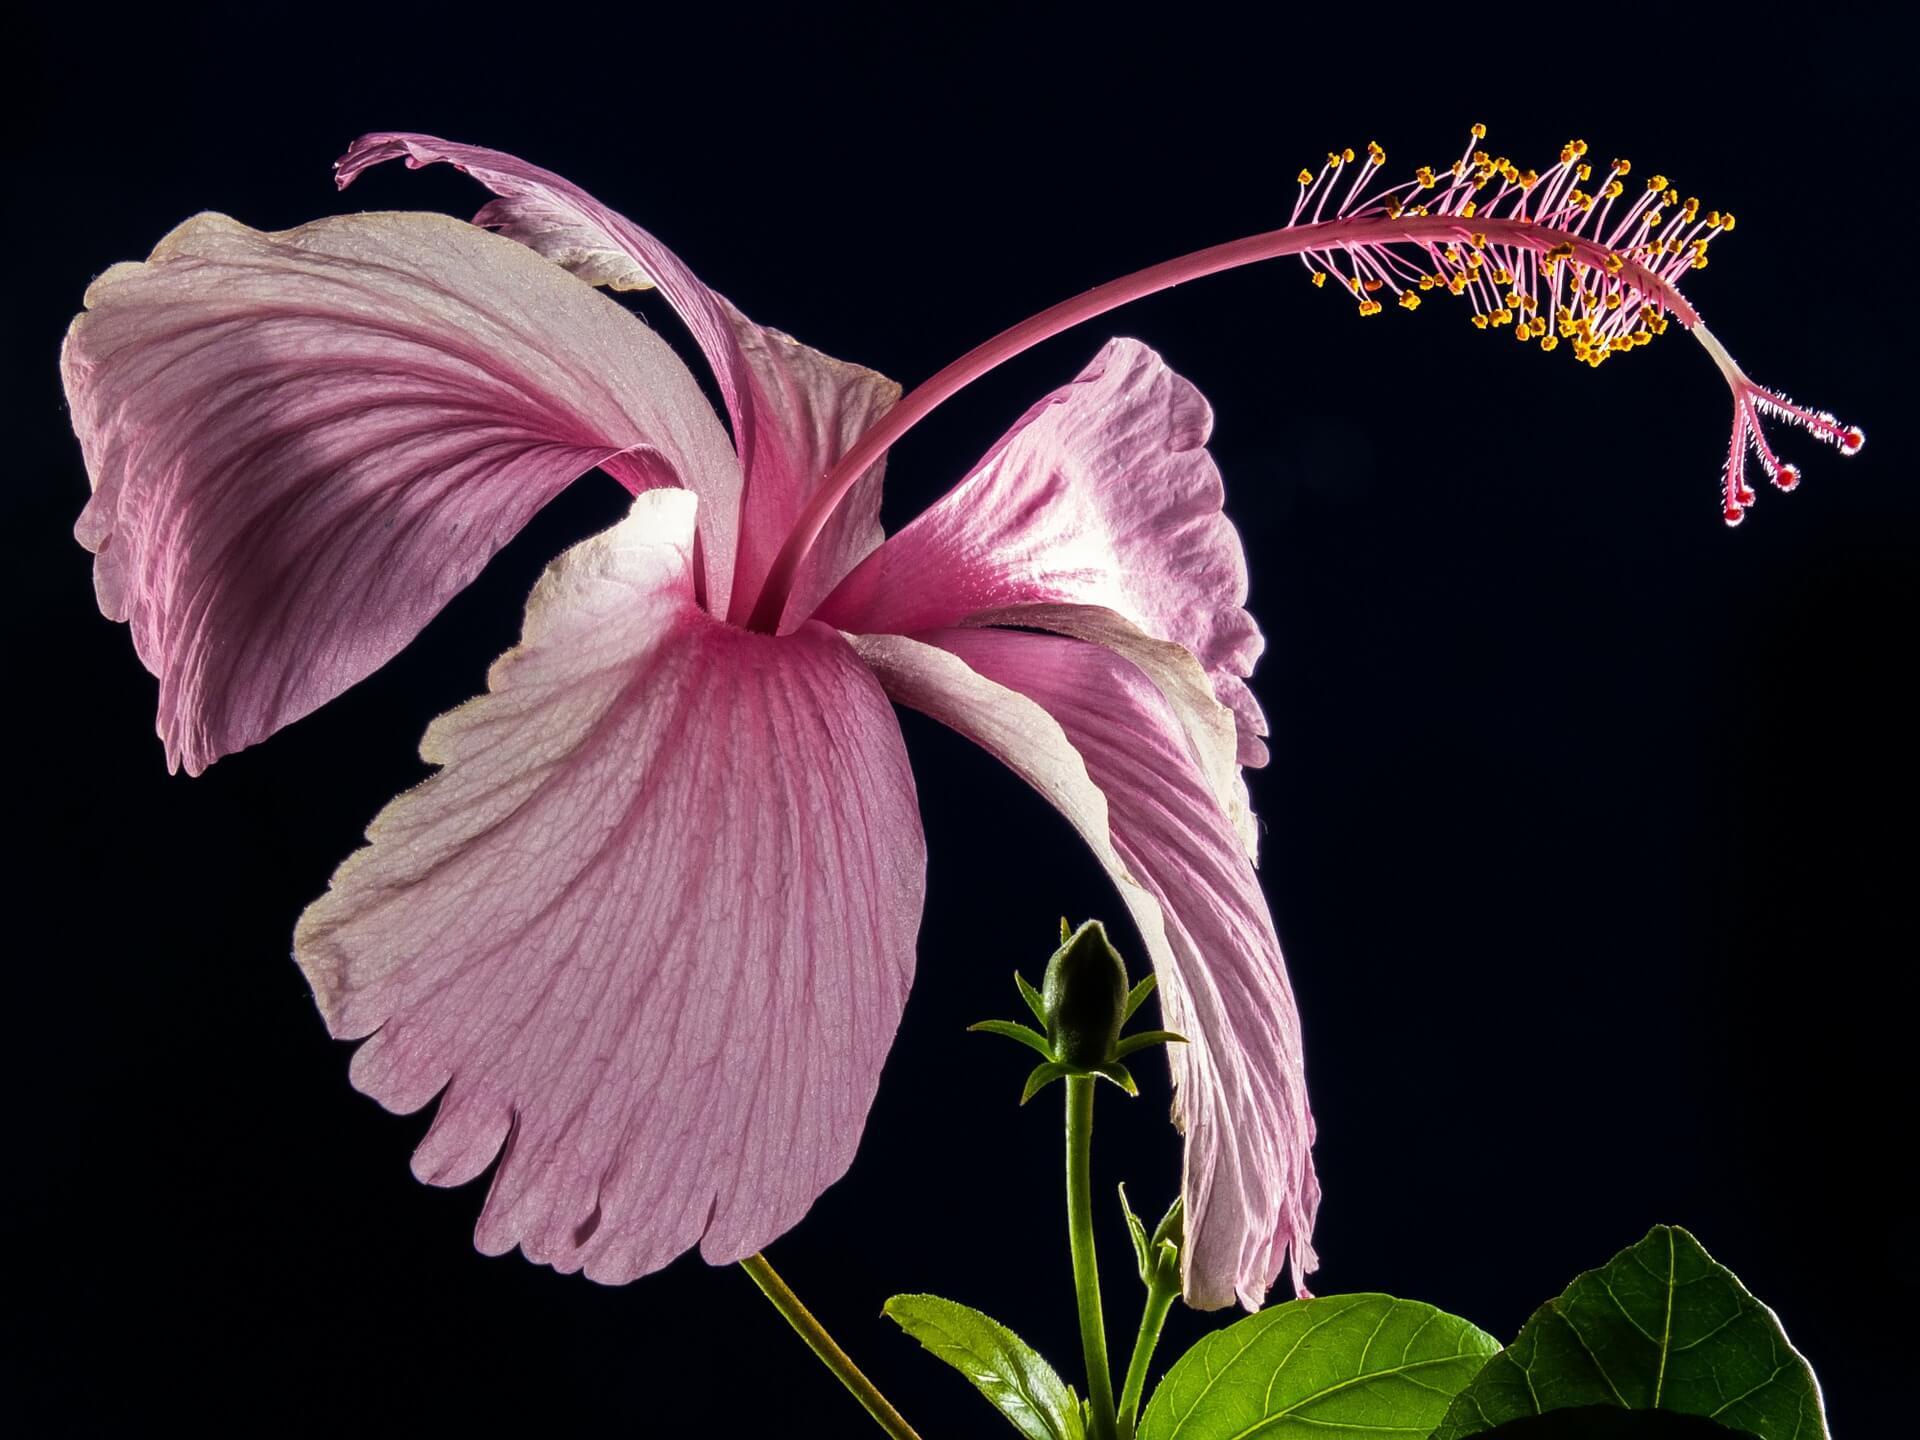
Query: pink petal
[302, 444]
[650, 927]
[1095, 735]
[794, 410]
[1102, 494]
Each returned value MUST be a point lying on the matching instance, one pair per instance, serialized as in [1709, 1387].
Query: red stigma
[1788, 477]
[1852, 440]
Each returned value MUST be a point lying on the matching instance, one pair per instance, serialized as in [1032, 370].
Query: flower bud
[1085, 994]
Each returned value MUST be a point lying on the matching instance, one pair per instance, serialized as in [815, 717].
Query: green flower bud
[1085, 995]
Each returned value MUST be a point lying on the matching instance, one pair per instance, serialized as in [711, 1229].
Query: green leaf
[1002, 1366]
[1342, 1365]
[1013, 1030]
[1661, 1326]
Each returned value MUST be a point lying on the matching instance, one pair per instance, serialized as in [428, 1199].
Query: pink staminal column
[1528, 249]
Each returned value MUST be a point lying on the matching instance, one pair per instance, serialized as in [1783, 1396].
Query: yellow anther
[1479, 322]
[1623, 167]
[1424, 175]
[1458, 168]
[1369, 307]
[1614, 189]
[1347, 154]
[1713, 219]
[1547, 342]
[1306, 177]
[1699, 262]
[1562, 251]
[1483, 159]
[1510, 173]
[1579, 147]
[1523, 331]
[1354, 284]
[1692, 211]
[1726, 221]
[1528, 179]
[1375, 154]
[1615, 264]
[1426, 283]
[1457, 284]
[1319, 278]
[1409, 300]
[1513, 297]
[1333, 158]
[1613, 300]
[1656, 182]
[1479, 132]
[1479, 238]
[1475, 260]
[1566, 154]
[1452, 252]
[1391, 204]
[1503, 276]
[1466, 210]
[1418, 210]
[1653, 217]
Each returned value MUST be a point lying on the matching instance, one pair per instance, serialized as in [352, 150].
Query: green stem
[1159, 1300]
[1086, 1272]
[822, 1344]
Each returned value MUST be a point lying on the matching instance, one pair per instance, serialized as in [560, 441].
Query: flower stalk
[1153, 1317]
[1158, 1258]
[822, 1344]
[1086, 1267]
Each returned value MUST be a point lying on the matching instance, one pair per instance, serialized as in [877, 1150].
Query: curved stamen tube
[1538, 255]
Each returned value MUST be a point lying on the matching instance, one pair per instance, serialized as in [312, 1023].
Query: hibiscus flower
[647, 931]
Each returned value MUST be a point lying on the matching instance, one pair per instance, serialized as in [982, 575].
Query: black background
[1586, 828]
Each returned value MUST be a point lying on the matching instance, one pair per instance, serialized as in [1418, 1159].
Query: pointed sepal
[1136, 996]
[1145, 1038]
[1043, 1076]
[1032, 996]
[1136, 1231]
[1119, 1075]
[1014, 1030]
